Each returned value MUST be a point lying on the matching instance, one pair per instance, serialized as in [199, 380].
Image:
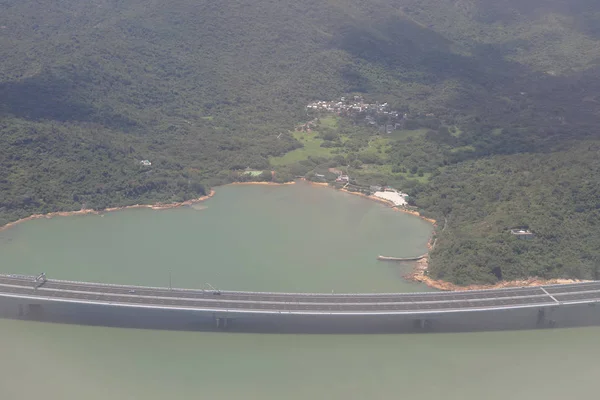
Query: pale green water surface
[264, 238]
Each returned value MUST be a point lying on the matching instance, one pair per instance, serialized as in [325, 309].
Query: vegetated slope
[202, 88]
[555, 36]
[556, 195]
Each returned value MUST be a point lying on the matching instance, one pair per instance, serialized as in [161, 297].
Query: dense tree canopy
[502, 99]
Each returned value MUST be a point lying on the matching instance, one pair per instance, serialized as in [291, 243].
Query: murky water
[267, 238]
[292, 238]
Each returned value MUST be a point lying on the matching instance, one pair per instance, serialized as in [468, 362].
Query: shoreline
[377, 199]
[261, 183]
[419, 275]
[90, 211]
[155, 206]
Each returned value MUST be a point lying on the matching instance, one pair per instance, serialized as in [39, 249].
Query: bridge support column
[221, 322]
[543, 319]
[34, 311]
[21, 312]
[421, 324]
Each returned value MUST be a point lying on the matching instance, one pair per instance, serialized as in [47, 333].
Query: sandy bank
[315, 183]
[419, 275]
[416, 213]
[157, 206]
[392, 205]
[377, 199]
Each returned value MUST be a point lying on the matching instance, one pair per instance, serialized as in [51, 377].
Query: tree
[265, 176]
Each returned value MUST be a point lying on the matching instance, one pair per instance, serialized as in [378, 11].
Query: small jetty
[385, 258]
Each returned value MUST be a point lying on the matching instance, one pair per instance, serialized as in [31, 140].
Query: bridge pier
[422, 324]
[543, 319]
[30, 310]
[34, 308]
[220, 322]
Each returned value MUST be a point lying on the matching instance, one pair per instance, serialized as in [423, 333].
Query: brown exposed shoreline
[157, 206]
[380, 200]
[419, 273]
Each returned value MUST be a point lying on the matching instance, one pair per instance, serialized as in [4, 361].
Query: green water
[264, 238]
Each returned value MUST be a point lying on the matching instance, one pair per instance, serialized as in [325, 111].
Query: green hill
[203, 89]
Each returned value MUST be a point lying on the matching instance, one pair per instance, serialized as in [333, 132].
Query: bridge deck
[18, 286]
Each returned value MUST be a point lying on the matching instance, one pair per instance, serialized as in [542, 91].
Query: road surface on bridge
[26, 287]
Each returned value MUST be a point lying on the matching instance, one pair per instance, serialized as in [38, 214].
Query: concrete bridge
[223, 306]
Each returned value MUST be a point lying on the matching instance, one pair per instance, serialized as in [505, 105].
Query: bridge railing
[303, 294]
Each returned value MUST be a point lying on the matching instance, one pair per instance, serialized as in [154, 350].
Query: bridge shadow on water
[116, 317]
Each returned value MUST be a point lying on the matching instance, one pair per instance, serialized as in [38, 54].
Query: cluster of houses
[375, 114]
[307, 127]
[346, 106]
[343, 178]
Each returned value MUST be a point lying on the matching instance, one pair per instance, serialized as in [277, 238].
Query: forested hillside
[204, 89]
[556, 195]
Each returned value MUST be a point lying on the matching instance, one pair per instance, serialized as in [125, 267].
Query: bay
[289, 238]
[262, 238]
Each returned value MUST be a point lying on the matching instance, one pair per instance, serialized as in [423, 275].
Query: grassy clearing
[386, 169]
[462, 148]
[379, 142]
[330, 121]
[377, 146]
[312, 144]
[379, 169]
[312, 147]
[455, 131]
[422, 179]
